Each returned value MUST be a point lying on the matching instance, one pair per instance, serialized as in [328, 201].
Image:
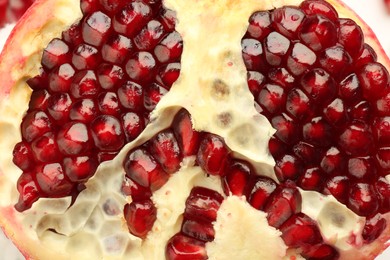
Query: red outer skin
[12, 59]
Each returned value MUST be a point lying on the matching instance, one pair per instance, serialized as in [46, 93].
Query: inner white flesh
[212, 85]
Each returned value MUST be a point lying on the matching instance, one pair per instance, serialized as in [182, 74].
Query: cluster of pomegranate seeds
[149, 166]
[323, 90]
[97, 86]
[12, 10]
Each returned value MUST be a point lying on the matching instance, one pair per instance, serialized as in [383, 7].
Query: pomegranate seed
[275, 48]
[181, 247]
[288, 167]
[109, 76]
[203, 203]
[321, 252]
[356, 139]
[40, 81]
[95, 28]
[168, 74]
[142, 168]
[282, 77]
[79, 169]
[382, 105]
[300, 230]
[107, 133]
[153, 94]
[55, 54]
[300, 59]
[350, 36]
[108, 103]
[198, 229]
[374, 79]
[149, 36]
[73, 139]
[213, 155]
[367, 55]
[170, 48]
[383, 158]
[59, 106]
[261, 191]
[28, 190]
[136, 191]
[35, 124]
[337, 186]
[140, 217]
[72, 36]
[323, 8]
[271, 98]
[52, 181]
[116, 49]
[168, 19]
[318, 32]
[132, 18]
[383, 191]
[131, 95]
[85, 57]
[373, 228]
[360, 111]
[335, 60]
[306, 152]
[133, 124]
[259, 25]
[334, 161]
[287, 129]
[186, 136]
[282, 204]
[111, 6]
[84, 84]
[335, 113]
[361, 168]
[45, 148]
[252, 51]
[89, 6]
[276, 147]
[288, 20]
[83, 110]
[350, 89]
[23, 156]
[61, 78]
[317, 132]
[255, 81]
[39, 100]
[311, 179]
[363, 199]
[236, 180]
[298, 104]
[141, 67]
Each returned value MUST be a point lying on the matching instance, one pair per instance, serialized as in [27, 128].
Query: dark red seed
[142, 168]
[61, 78]
[133, 124]
[337, 186]
[275, 48]
[261, 190]
[259, 25]
[286, 128]
[85, 57]
[29, 191]
[383, 190]
[319, 85]
[360, 111]
[236, 180]
[350, 36]
[52, 181]
[116, 49]
[367, 55]
[288, 167]
[141, 67]
[318, 132]
[108, 103]
[373, 228]
[321, 252]
[168, 19]
[132, 18]
[252, 51]
[107, 133]
[382, 105]
[198, 229]
[319, 7]
[131, 96]
[83, 110]
[362, 168]
[298, 104]
[335, 113]
[282, 77]
[73, 139]
[318, 32]
[363, 199]
[45, 148]
[383, 158]
[35, 124]
[311, 179]
[288, 20]
[170, 48]
[140, 217]
[168, 74]
[111, 6]
[374, 79]
[333, 161]
[22, 156]
[307, 152]
[39, 100]
[133, 189]
[213, 155]
[356, 139]
[300, 59]
[55, 54]
[149, 36]
[109, 76]
[271, 98]
[186, 136]
[350, 89]
[81, 168]
[255, 81]
[72, 35]
[336, 61]
[181, 247]
[84, 85]
[152, 95]
[40, 81]
[203, 203]
[95, 28]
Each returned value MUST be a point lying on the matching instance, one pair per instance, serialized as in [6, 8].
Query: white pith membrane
[212, 86]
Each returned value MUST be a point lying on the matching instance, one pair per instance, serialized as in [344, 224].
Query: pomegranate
[217, 129]
[12, 10]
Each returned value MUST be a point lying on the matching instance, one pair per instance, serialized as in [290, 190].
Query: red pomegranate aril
[106, 156]
[40, 81]
[362, 168]
[153, 94]
[287, 20]
[35, 124]
[107, 133]
[236, 180]
[282, 77]
[186, 136]
[373, 228]
[382, 105]
[61, 78]
[109, 76]
[29, 192]
[367, 55]
[383, 158]
[111, 6]
[73, 139]
[356, 139]
[307, 152]
[181, 247]
[95, 28]
[83, 110]
[168, 74]
[45, 148]
[132, 18]
[288, 167]
[81, 168]
[198, 229]
[318, 132]
[131, 96]
[383, 189]
[141, 167]
[52, 181]
[55, 54]
[334, 161]
[298, 104]
[203, 203]
[338, 186]
[140, 217]
[287, 130]
[89, 6]
[255, 81]
[374, 79]
[300, 230]
[108, 103]
[336, 61]
[350, 36]
[39, 100]
[363, 199]
[259, 25]
[350, 89]
[261, 191]
[165, 149]
[381, 130]
[360, 111]
[22, 156]
[149, 36]
[213, 155]
[271, 98]
[311, 179]
[323, 8]
[335, 113]
[133, 189]
[275, 48]
[252, 51]
[321, 252]
[168, 19]
[319, 85]
[300, 59]
[84, 84]
[318, 32]
[141, 67]
[284, 202]
[117, 48]
[72, 35]
[59, 106]
[85, 57]
[133, 124]
[170, 48]
[276, 147]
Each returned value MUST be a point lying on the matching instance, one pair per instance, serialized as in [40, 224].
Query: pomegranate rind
[18, 63]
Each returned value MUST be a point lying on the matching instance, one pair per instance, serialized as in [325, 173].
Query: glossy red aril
[12, 10]
[183, 247]
[212, 155]
[140, 217]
